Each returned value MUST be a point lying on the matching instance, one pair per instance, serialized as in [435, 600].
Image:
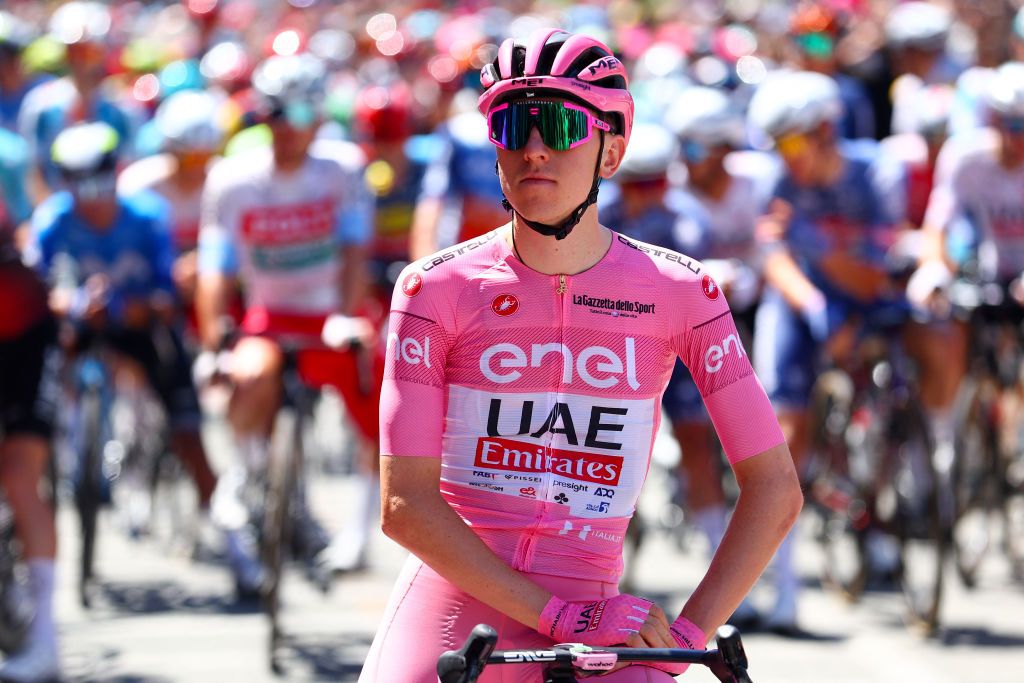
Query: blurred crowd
[374, 106]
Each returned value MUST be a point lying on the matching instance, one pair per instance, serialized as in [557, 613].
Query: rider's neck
[587, 244]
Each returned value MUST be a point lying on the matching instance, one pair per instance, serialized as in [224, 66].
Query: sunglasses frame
[592, 122]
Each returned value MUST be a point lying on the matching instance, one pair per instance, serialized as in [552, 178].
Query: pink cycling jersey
[541, 393]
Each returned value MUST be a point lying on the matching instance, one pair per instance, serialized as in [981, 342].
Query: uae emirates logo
[412, 284]
[505, 304]
[710, 287]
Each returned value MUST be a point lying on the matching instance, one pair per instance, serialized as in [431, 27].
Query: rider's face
[546, 184]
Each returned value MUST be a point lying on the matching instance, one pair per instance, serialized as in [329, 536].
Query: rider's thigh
[256, 358]
[427, 615]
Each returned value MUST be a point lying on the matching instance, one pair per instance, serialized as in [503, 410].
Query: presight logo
[505, 304]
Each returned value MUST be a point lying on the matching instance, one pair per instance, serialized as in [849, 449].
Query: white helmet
[650, 153]
[918, 24]
[1005, 94]
[81, 22]
[188, 121]
[706, 115]
[794, 102]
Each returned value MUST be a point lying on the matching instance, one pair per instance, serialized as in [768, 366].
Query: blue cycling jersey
[135, 253]
[855, 214]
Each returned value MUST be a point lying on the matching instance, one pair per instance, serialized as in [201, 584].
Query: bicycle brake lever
[734, 658]
[465, 664]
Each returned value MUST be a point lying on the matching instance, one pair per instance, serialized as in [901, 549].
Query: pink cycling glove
[593, 622]
[689, 637]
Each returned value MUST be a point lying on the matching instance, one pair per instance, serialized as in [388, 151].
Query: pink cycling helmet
[554, 62]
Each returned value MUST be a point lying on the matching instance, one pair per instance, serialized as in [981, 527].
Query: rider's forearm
[782, 272]
[423, 235]
[766, 510]
[862, 281]
[212, 296]
[354, 279]
[424, 524]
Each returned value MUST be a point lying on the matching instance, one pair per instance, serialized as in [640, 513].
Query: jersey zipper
[530, 542]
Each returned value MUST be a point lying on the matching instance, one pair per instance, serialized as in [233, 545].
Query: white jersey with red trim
[282, 231]
[156, 173]
[971, 184]
[541, 393]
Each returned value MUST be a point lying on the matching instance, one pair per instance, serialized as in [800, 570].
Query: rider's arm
[354, 231]
[770, 497]
[423, 234]
[768, 505]
[217, 263]
[414, 514]
[782, 272]
[858, 278]
[437, 185]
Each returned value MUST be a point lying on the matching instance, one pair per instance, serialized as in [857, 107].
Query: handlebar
[728, 663]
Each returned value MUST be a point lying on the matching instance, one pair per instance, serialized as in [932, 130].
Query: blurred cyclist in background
[28, 366]
[83, 28]
[15, 36]
[189, 125]
[975, 219]
[461, 196]
[825, 232]
[815, 31]
[291, 222]
[108, 260]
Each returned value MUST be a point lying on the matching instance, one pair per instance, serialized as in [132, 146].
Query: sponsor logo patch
[412, 284]
[613, 307]
[710, 288]
[528, 492]
[505, 304]
[516, 456]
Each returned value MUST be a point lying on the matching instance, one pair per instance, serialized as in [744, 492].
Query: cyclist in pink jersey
[522, 394]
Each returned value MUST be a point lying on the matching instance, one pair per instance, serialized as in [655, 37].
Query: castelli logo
[412, 284]
[710, 287]
[505, 304]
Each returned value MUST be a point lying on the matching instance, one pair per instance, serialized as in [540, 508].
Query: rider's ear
[614, 149]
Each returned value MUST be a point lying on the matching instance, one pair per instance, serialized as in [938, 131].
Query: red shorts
[319, 366]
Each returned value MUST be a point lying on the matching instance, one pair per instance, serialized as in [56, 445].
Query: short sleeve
[414, 392]
[710, 347]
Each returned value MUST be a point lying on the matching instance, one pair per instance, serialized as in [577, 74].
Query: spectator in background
[815, 30]
[84, 28]
[15, 36]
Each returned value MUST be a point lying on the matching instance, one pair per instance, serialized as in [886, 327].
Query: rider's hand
[814, 311]
[772, 226]
[614, 621]
[341, 331]
[1017, 290]
[685, 634]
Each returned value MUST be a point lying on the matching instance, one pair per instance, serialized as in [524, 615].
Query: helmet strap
[561, 230]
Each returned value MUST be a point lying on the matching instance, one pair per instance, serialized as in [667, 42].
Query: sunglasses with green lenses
[562, 125]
